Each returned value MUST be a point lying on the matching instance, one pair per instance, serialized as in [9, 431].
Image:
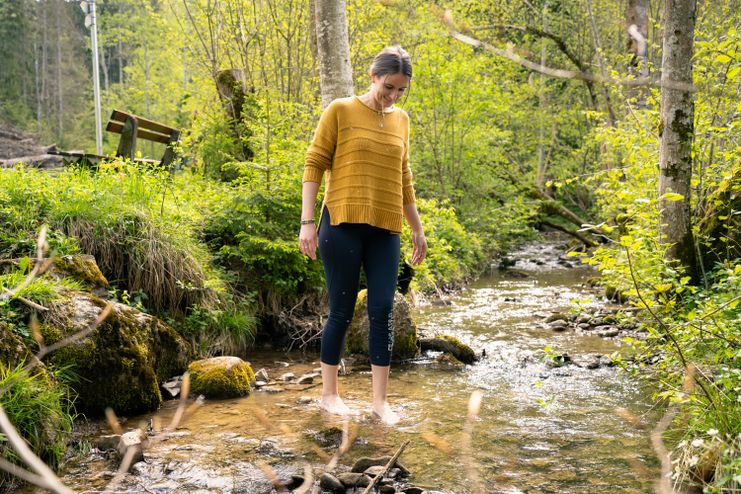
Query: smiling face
[388, 88]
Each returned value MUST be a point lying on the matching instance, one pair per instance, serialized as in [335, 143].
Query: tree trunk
[333, 48]
[677, 124]
[60, 83]
[637, 26]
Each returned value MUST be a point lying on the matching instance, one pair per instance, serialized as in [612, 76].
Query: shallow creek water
[541, 429]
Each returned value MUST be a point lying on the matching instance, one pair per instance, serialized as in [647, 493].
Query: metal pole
[96, 80]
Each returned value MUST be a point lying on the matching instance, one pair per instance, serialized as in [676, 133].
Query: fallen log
[451, 345]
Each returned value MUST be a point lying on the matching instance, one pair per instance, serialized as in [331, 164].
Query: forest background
[499, 152]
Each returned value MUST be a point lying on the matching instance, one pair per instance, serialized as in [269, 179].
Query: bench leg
[127, 144]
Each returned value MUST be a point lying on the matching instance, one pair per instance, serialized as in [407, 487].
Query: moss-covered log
[451, 345]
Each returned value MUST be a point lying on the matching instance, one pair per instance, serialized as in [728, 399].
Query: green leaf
[672, 196]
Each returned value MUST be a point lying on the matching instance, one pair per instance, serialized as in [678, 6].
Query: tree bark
[636, 20]
[333, 48]
[677, 124]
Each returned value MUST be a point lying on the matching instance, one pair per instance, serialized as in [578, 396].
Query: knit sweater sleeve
[407, 185]
[321, 150]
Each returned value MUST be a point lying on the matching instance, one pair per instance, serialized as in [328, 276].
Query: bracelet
[307, 222]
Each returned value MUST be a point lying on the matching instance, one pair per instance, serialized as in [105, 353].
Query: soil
[15, 144]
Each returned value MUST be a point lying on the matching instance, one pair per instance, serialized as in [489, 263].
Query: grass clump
[40, 407]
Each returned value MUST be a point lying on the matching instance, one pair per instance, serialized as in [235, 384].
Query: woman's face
[388, 88]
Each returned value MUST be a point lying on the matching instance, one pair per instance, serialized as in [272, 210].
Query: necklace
[380, 113]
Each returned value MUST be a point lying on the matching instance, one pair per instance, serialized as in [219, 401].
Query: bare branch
[559, 73]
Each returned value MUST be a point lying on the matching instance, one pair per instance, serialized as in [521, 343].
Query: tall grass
[136, 222]
[40, 407]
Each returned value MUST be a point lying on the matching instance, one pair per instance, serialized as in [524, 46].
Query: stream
[541, 429]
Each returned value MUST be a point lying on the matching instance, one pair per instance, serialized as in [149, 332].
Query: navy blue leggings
[344, 249]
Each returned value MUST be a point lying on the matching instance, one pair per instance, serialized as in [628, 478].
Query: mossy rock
[122, 362]
[12, 349]
[221, 377]
[405, 329]
[82, 268]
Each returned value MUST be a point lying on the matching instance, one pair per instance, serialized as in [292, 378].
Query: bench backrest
[132, 127]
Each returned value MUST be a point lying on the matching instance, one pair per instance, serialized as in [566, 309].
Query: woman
[362, 143]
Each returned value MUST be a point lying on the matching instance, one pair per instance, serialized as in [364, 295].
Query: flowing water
[541, 429]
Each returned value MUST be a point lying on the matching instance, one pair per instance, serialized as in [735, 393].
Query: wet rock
[330, 437]
[171, 388]
[557, 317]
[262, 375]
[221, 377]
[271, 389]
[608, 333]
[132, 441]
[306, 379]
[387, 489]
[559, 325]
[374, 471]
[405, 329]
[104, 443]
[413, 490]
[287, 377]
[588, 361]
[280, 363]
[305, 400]
[331, 483]
[350, 479]
[584, 326]
[606, 361]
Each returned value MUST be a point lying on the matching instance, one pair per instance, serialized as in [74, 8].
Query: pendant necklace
[380, 122]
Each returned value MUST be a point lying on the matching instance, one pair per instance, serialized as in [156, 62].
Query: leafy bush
[254, 235]
[454, 255]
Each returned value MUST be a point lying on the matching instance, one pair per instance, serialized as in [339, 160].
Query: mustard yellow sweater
[366, 158]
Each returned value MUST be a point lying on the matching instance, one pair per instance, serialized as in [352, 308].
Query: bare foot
[386, 414]
[334, 404]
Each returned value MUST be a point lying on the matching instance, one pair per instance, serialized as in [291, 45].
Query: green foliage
[454, 255]
[255, 236]
[39, 405]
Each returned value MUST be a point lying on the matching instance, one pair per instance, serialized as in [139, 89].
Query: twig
[26, 301]
[390, 463]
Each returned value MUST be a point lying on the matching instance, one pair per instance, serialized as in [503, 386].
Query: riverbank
[542, 427]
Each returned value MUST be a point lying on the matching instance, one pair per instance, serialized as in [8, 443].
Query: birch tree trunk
[636, 20]
[677, 124]
[333, 48]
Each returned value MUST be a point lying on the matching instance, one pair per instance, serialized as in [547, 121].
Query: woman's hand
[307, 240]
[419, 246]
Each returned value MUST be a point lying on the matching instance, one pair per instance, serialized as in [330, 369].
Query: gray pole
[96, 80]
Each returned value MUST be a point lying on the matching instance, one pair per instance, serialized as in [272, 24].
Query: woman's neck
[371, 102]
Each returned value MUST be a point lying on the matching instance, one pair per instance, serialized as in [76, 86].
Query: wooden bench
[132, 127]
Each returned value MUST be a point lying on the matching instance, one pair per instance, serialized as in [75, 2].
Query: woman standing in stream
[362, 144]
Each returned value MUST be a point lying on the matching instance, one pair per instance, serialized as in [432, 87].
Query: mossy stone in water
[121, 363]
[221, 377]
[405, 329]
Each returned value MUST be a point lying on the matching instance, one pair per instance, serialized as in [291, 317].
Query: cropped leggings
[344, 249]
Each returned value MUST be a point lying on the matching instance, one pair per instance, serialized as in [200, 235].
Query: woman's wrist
[308, 221]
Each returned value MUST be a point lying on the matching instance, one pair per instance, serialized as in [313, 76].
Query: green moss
[122, 362]
[80, 268]
[405, 329]
[464, 352]
[221, 377]
[12, 349]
